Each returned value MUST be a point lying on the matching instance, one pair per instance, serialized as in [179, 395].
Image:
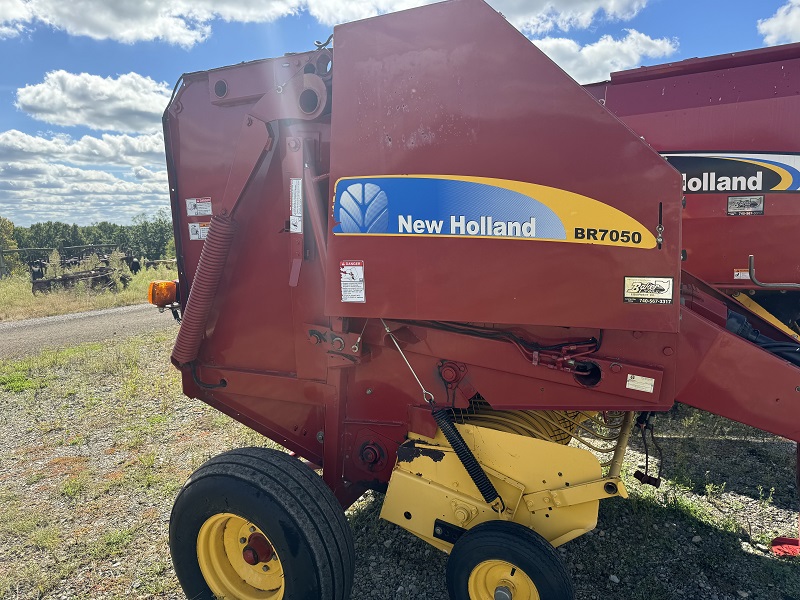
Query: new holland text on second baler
[430, 263]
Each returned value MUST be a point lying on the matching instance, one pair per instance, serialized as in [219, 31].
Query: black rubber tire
[513, 543]
[288, 501]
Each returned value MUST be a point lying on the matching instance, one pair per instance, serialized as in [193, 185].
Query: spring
[204, 289]
[595, 431]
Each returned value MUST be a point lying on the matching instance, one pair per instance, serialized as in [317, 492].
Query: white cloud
[783, 26]
[188, 22]
[54, 177]
[40, 191]
[129, 102]
[594, 62]
[13, 15]
[108, 150]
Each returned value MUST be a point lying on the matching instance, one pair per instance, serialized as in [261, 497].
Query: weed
[45, 538]
[34, 478]
[113, 542]
[765, 501]
[75, 485]
[17, 381]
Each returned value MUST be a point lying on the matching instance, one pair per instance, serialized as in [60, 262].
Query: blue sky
[83, 83]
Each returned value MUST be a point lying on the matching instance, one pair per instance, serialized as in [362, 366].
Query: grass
[95, 451]
[18, 302]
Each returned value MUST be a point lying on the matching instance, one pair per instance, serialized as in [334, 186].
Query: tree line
[150, 236]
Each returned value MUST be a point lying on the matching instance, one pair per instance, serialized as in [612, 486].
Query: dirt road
[21, 338]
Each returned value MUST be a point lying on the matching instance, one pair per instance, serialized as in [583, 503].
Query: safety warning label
[198, 231]
[741, 273]
[198, 207]
[296, 205]
[641, 383]
[352, 272]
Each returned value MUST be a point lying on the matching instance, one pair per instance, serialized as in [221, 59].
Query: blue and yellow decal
[478, 207]
[731, 172]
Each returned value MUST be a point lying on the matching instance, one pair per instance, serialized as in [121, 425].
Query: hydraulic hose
[738, 324]
[445, 421]
[204, 289]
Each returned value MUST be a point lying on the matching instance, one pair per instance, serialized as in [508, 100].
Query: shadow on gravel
[658, 547]
[390, 562]
[663, 553]
[705, 453]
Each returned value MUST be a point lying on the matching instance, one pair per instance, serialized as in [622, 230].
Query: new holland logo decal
[705, 173]
[450, 206]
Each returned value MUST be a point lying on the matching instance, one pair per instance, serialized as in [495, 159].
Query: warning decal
[640, 383]
[296, 205]
[198, 207]
[648, 290]
[741, 273]
[352, 272]
[198, 231]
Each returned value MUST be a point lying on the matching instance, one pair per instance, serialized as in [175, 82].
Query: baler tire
[281, 497]
[498, 551]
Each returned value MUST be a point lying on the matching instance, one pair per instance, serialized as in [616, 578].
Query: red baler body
[445, 119]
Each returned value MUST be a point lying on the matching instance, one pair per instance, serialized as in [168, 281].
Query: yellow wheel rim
[490, 575]
[222, 545]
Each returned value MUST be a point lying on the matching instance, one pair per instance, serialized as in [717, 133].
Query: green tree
[8, 242]
[150, 235]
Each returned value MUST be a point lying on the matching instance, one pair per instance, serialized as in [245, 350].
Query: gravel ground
[98, 439]
[30, 336]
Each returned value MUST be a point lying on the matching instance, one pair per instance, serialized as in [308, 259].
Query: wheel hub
[501, 580]
[257, 550]
[232, 553]
[502, 593]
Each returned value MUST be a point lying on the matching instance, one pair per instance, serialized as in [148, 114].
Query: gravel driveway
[21, 338]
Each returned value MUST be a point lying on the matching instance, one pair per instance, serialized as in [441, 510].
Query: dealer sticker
[741, 273]
[745, 205]
[198, 231]
[648, 290]
[198, 207]
[296, 205]
[352, 272]
[640, 383]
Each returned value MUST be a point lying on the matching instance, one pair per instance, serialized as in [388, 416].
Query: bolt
[320, 436]
[437, 530]
[242, 540]
[369, 391]
[615, 368]
[252, 529]
[265, 568]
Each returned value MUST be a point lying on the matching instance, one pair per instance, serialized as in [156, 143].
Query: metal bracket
[576, 494]
[751, 264]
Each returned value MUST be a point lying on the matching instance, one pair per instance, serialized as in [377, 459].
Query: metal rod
[622, 445]
[316, 212]
[752, 271]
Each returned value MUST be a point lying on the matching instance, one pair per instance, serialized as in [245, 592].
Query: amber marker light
[162, 293]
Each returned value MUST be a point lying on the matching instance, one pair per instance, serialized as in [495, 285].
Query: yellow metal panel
[762, 312]
[429, 482]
